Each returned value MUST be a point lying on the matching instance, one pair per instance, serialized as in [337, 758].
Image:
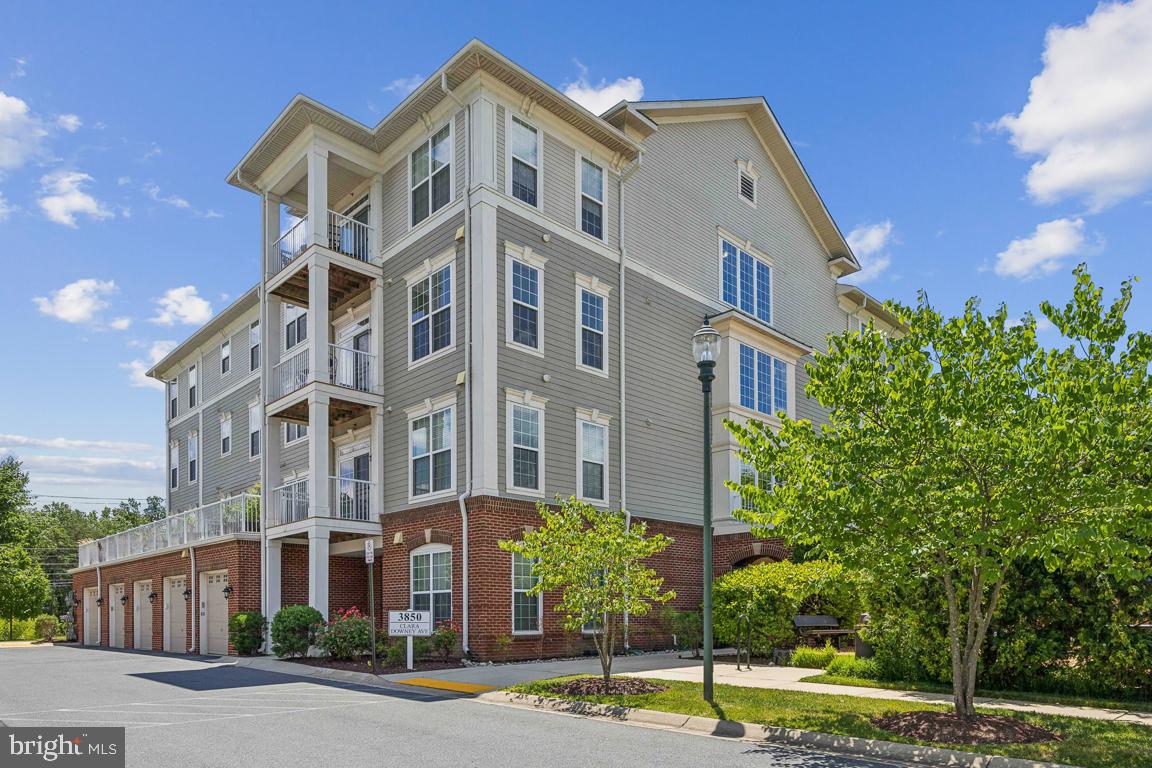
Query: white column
[482, 149]
[272, 553]
[318, 196]
[482, 305]
[318, 570]
[376, 213]
[319, 455]
[273, 445]
[376, 464]
[271, 231]
[376, 323]
[319, 323]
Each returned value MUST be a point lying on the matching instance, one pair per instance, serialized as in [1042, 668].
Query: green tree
[24, 588]
[14, 500]
[962, 446]
[596, 560]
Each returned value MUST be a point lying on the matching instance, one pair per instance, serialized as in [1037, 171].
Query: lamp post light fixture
[706, 349]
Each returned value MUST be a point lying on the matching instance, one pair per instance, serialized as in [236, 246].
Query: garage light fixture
[188, 594]
[228, 591]
[152, 597]
[100, 602]
[123, 599]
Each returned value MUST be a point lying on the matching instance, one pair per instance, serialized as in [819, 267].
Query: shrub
[348, 635]
[46, 627]
[396, 653]
[813, 658]
[443, 638]
[421, 647]
[850, 666]
[18, 629]
[686, 626]
[246, 631]
[294, 629]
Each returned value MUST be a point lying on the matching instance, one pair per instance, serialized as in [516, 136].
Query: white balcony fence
[288, 503]
[351, 368]
[350, 237]
[291, 374]
[289, 245]
[236, 514]
[351, 499]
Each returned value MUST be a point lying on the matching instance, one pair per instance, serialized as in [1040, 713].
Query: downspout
[461, 499]
[99, 594]
[195, 603]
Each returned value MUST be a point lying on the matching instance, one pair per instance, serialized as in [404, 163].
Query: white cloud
[5, 207]
[175, 201]
[599, 97]
[152, 152]
[182, 305]
[1089, 112]
[870, 243]
[21, 133]
[62, 197]
[403, 85]
[88, 468]
[70, 123]
[1043, 252]
[64, 443]
[21, 68]
[120, 323]
[138, 369]
[78, 302]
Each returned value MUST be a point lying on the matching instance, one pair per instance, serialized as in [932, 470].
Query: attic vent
[747, 187]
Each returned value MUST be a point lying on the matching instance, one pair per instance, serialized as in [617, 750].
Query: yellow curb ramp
[445, 685]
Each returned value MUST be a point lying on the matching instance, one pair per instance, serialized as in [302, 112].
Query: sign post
[409, 624]
[369, 558]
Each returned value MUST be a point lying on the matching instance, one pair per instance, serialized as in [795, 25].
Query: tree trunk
[966, 654]
[602, 641]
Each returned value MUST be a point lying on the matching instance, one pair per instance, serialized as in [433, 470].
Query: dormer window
[747, 182]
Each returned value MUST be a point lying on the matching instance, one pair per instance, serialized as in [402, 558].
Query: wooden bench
[814, 628]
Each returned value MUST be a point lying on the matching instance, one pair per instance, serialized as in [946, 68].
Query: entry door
[362, 342]
[175, 615]
[91, 616]
[353, 495]
[116, 616]
[215, 613]
[142, 616]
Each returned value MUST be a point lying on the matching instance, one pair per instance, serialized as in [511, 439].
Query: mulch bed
[365, 664]
[598, 686]
[950, 728]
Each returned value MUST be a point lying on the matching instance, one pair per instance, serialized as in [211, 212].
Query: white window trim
[173, 395]
[432, 215]
[284, 435]
[174, 463]
[594, 417]
[431, 549]
[525, 255]
[603, 290]
[539, 606]
[226, 344]
[734, 343]
[744, 245]
[526, 399]
[580, 158]
[745, 168]
[259, 427]
[226, 418]
[193, 437]
[509, 114]
[427, 408]
[193, 398]
[301, 344]
[422, 272]
[259, 341]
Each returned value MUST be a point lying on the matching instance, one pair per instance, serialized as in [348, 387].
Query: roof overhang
[734, 317]
[207, 332]
[474, 57]
[859, 299]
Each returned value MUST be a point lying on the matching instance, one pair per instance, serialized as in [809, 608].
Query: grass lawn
[1042, 698]
[1087, 743]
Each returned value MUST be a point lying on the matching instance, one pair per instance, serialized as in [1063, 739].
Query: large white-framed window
[527, 610]
[524, 161]
[592, 324]
[254, 419]
[254, 346]
[295, 325]
[431, 581]
[174, 465]
[225, 434]
[763, 381]
[430, 309]
[592, 450]
[591, 198]
[193, 457]
[225, 357]
[430, 175]
[745, 280]
[431, 448]
[192, 388]
[525, 442]
[294, 432]
[746, 180]
[524, 289]
[749, 475]
[173, 399]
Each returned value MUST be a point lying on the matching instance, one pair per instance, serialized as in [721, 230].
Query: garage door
[215, 613]
[175, 615]
[142, 616]
[91, 616]
[116, 615]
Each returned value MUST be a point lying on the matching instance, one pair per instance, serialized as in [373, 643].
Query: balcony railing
[291, 374]
[236, 514]
[289, 245]
[351, 368]
[288, 503]
[350, 237]
[351, 499]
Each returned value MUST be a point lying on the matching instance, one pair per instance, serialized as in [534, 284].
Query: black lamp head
[152, 597]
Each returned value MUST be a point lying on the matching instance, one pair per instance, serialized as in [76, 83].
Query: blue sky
[983, 150]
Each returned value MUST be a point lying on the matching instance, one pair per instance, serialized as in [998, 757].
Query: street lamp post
[706, 350]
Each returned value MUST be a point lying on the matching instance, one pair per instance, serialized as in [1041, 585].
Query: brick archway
[756, 551]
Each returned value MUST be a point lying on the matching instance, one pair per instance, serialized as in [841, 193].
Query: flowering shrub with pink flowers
[444, 638]
[347, 635]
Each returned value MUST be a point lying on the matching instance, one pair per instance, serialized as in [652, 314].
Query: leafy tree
[596, 560]
[24, 588]
[962, 446]
[14, 500]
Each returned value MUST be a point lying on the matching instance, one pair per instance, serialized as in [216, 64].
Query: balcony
[346, 235]
[227, 517]
[290, 374]
[352, 368]
[289, 245]
[288, 503]
[351, 499]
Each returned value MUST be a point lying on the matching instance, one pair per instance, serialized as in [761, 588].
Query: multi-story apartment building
[484, 302]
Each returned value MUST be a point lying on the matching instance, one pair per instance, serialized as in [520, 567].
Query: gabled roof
[303, 111]
[227, 316]
[861, 299]
[776, 145]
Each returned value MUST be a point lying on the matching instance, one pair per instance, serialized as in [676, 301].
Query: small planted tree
[24, 589]
[595, 559]
[963, 446]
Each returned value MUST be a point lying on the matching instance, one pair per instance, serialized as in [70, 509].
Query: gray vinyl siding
[501, 147]
[394, 213]
[186, 495]
[460, 153]
[569, 387]
[228, 475]
[294, 455]
[213, 381]
[559, 181]
[407, 388]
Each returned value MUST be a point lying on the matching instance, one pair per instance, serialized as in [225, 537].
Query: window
[254, 419]
[526, 609]
[226, 434]
[192, 387]
[431, 175]
[431, 442]
[592, 198]
[592, 330]
[174, 465]
[254, 346]
[763, 381]
[193, 456]
[431, 313]
[592, 445]
[524, 311]
[295, 325]
[294, 432]
[526, 429]
[745, 282]
[525, 152]
[750, 476]
[225, 357]
[173, 398]
[432, 582]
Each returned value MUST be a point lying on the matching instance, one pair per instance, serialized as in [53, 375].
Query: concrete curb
[732, 729]
[302, 670]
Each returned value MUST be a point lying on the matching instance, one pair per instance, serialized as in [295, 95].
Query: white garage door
[142, 616]
[91, 616]
[175, 615]
[215, 612]
[116, 609]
